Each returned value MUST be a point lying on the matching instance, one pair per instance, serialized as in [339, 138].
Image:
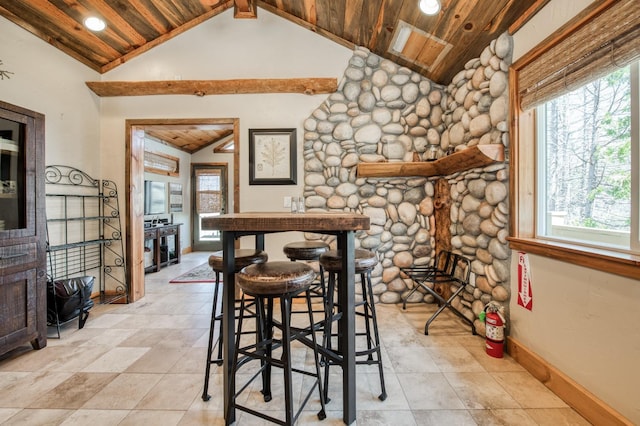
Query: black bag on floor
[69, 298]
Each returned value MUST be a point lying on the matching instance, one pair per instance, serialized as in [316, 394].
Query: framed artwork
[175, 197]
[272, 157]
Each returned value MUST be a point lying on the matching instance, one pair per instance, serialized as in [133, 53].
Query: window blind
[209, 191]
[609, 40]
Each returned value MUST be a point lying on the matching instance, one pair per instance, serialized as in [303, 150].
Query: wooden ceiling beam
[307, 86]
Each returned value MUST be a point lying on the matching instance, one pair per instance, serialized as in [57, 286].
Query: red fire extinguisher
[494, 330]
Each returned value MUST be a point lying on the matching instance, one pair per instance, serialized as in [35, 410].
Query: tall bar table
[343, 226]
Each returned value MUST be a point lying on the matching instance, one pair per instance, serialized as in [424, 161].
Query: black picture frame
[272, 157]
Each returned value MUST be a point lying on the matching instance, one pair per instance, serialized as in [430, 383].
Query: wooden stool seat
[243, 257]
[275, 278]
[305, 250]
[365, 260]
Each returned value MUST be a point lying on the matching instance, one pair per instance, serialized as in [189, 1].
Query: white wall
[52, 83]
[227, 48]
[584, 322]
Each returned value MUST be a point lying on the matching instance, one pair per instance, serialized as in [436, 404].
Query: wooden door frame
[134, 193]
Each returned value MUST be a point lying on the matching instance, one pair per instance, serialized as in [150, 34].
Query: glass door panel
[12, 175]
[209, 183]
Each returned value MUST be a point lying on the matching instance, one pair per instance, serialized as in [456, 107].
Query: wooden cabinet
[23, 281]
[163, 243]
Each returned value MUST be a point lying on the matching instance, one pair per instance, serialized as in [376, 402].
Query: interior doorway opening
[134, 177]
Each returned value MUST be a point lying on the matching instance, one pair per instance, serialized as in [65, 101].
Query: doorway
[209, 195]
[134, 194]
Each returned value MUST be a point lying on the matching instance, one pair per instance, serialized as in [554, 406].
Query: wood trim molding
[307, 86]
[576, 396]
[612, 262]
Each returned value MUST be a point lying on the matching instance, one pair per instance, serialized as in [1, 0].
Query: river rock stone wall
[386, 112]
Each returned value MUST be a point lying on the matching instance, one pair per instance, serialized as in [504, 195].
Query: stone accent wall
[385, 112]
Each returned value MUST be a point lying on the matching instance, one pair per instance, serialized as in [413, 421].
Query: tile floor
[143, 363]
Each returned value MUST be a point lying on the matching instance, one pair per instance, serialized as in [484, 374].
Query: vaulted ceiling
[436, 46]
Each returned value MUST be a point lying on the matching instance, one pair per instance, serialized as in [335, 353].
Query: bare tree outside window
[587, 140]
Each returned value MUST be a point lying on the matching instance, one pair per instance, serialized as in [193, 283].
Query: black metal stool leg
[234, 364]
[214, 317]
[321, 414]
[367, 315]
[376, 337]
[285, 311]
[327, 334]
[267, 335]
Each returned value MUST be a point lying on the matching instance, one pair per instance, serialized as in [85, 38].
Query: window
[162, 164]
[584, 166]
[209, 197]
[575, 144]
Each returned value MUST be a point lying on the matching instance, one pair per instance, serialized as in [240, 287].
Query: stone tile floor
[143, 363]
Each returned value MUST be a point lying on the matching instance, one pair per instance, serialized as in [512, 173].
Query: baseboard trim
[575, 395]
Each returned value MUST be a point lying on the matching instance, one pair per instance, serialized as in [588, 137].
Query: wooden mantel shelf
[308, 86]
[472, 157]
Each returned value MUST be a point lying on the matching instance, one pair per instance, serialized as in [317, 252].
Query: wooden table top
[285, 221]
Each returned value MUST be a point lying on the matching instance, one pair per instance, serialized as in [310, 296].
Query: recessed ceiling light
[94, 24]
[429, 7]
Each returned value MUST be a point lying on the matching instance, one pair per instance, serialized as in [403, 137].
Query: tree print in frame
[272, 157]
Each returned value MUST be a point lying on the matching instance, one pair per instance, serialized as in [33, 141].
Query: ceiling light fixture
[430, 7]
[94, 24]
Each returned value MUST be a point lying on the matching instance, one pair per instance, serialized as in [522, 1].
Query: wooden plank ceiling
[134, 27]
[438, 46]
[191, 137]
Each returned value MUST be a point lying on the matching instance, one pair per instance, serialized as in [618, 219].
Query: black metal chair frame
[448, 268]
[368, 312]
[216, 316]
[263, 350]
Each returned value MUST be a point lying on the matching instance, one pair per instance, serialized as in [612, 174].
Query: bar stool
[243, 257]
[309, 251]
[365, 261]
[267, 282]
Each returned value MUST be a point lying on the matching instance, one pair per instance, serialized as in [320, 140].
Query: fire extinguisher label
[494, 333]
